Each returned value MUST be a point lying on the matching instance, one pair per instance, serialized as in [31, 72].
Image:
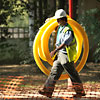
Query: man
[65, 55]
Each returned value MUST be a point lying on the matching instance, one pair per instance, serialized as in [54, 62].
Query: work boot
[79, 90]
[45, 93]
[78, 95]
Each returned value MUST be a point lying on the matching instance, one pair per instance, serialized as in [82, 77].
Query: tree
[9, 8]
[91, 22]
[5, 11]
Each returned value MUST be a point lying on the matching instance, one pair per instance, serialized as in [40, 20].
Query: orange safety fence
[15, 88]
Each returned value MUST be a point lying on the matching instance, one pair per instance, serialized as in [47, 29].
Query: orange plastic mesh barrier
[15, 88]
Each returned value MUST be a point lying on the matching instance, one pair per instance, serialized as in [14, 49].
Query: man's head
[59, 14]
[61, 17]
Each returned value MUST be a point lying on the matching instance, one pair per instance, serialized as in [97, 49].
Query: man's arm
[67, 40]
[58, 48]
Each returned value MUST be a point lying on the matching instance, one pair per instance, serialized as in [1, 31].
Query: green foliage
[11, 8]
[91, 22]
[19, 21]
[15, 51]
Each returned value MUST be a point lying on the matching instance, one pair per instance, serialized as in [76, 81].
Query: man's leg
[77, 84]
[70, 82]
[55, 73]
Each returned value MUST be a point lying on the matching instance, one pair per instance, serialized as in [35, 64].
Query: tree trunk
[61, 4]
[35, 16]
[53, 6]
[75, 7]
[31, 26]
[45, 8]
[31, 23]
[40, 13]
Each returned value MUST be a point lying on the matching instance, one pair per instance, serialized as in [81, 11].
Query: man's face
[60, 21]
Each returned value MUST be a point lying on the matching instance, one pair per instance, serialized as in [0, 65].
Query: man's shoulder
[66, 29]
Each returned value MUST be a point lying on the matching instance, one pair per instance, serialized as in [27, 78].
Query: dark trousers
[60, 63]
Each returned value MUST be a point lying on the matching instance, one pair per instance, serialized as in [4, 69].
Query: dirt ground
[32, 76]
[28, 79]
[90, 73]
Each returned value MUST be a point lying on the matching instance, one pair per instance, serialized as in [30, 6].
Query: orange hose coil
[41, 49]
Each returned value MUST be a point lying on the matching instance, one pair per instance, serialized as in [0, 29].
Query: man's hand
[52, 53]
[58, 48]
